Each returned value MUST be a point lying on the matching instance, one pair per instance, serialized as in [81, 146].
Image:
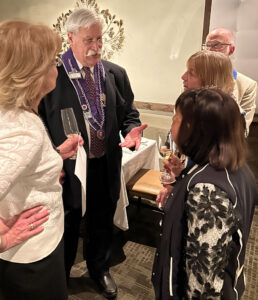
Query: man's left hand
[133, 138]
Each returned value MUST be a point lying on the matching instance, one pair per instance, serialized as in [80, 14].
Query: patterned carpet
[136, 270]
[132, 276]
[131, 261]
[251, 262]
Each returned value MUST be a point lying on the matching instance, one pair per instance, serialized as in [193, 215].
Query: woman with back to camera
[205, 69]
[208, 216]
[31, 262]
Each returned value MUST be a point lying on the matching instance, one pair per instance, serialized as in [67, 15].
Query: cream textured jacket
[29, 172]
[245, 92]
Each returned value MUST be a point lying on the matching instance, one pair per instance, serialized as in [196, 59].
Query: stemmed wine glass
[165, 151]
[69, 124]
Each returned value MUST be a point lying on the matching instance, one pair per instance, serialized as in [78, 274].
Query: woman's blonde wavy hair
[214, 70]
[27, 52]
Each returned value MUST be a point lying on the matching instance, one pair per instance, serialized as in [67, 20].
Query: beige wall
[160, 36]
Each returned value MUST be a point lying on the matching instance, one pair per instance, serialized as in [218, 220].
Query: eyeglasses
[215, 46]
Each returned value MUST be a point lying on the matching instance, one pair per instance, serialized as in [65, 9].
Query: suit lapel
[80, 119]
[110, 100]
[236, 91]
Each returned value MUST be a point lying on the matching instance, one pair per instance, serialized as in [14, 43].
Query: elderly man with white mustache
[100, 94]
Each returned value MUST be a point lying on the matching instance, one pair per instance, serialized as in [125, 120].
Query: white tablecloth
[147, 156]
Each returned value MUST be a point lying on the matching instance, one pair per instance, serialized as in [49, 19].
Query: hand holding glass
[166, 151]
[69, 124]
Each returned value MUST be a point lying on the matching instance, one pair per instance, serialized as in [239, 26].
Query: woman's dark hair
[212, 129]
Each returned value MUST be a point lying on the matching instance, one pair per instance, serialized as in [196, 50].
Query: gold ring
[31, 226]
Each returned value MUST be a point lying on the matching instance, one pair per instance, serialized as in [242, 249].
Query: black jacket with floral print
[170, 279]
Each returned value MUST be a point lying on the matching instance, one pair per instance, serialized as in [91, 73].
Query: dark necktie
[97, 145]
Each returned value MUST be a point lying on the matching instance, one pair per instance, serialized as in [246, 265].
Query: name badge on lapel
[75, 75]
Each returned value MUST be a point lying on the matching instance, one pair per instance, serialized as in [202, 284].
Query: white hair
[82, 17]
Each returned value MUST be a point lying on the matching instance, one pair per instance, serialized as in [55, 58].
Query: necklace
[88, 111]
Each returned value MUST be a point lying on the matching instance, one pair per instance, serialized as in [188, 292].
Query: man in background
[100, 95]
[222, 40]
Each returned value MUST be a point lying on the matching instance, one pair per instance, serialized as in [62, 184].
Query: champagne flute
[69, 124]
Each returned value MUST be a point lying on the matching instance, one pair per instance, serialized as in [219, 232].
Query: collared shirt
[82, 70]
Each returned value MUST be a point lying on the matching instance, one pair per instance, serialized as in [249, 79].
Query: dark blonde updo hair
[212, 129]
[27, 52]
[214, 70]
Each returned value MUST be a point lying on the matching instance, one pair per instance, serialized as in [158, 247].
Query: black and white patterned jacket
[204, 234]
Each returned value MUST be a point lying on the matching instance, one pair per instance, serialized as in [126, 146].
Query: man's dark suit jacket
[120, 114]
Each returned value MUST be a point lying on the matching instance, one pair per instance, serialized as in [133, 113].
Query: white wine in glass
[165, 151]
[69, 124]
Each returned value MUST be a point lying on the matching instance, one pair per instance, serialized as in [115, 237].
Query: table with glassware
[147, 156]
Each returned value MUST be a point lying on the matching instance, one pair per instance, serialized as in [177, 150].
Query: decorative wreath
[113, 30]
